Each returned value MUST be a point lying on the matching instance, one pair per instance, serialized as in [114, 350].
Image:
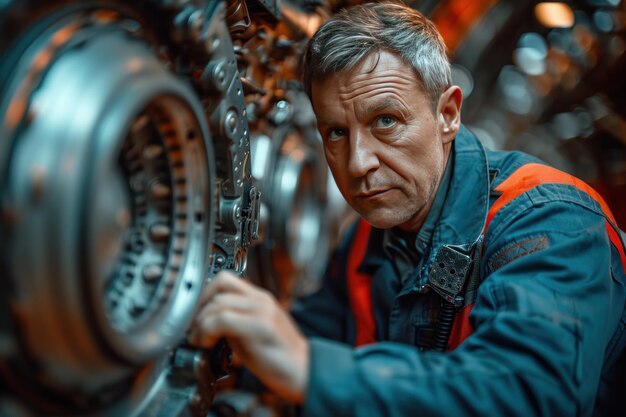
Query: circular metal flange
[107, 185]
[295, 231]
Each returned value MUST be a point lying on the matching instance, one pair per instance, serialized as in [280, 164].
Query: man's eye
[385, 121]
[335, 134]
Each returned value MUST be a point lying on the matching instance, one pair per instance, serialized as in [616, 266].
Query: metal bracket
[449, 272]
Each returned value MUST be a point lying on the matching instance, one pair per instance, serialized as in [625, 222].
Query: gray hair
[351, 35]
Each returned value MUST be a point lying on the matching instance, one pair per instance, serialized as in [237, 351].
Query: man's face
[385, 147]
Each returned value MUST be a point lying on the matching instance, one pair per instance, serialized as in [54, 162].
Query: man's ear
[449, 113]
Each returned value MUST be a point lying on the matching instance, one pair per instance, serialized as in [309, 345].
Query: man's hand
[258, 330]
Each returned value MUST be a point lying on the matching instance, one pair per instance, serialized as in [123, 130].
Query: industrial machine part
[108, 178]
[297, 225]
[296, 237]
[126, 184]
[124, 152]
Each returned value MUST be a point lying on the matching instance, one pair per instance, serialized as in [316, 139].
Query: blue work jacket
[548, 317]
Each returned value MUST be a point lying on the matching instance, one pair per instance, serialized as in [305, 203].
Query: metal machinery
[299, 211]
[126, 183]
[146, 145]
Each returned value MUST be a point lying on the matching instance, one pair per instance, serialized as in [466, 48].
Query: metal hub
[107, 180]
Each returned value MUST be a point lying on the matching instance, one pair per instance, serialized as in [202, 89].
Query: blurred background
[546, 78]
[146, 145]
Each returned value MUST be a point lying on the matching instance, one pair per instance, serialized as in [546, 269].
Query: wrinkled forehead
[375, 60]
[381, 82]
[373, 68]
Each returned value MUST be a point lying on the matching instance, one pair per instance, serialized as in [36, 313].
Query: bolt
[151, 273]
[230, 124]
[160, 232]
[152, 151]
[212, 43]
[159, 190]
[217, 75]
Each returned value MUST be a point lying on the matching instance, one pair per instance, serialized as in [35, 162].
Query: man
[448, 228]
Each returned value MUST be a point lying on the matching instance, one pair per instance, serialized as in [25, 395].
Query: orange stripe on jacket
[360, 288]
[524, 179]
[531, 175]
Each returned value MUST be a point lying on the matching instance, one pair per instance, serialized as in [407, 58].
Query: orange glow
[134, 65]
[456, 18]
[14, 113]
[105, 16]
[307, 23]
[18, 105]
[554, 15]
[42, 59]
[64, 34]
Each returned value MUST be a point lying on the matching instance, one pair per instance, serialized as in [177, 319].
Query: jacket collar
[465, 209]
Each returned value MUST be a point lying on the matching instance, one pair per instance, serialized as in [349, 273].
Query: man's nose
[363, 156]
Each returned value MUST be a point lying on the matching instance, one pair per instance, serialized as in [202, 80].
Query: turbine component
[107, 182]
[296, 237]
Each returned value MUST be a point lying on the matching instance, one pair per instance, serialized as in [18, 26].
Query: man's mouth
[372, 193]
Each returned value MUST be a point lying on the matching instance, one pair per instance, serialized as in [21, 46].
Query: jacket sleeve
[542, 322]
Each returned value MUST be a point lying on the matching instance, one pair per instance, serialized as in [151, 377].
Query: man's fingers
[208, 329]
[257, 329]
[227, 301]
[225, 281]
[233, 301]
[230, 324]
